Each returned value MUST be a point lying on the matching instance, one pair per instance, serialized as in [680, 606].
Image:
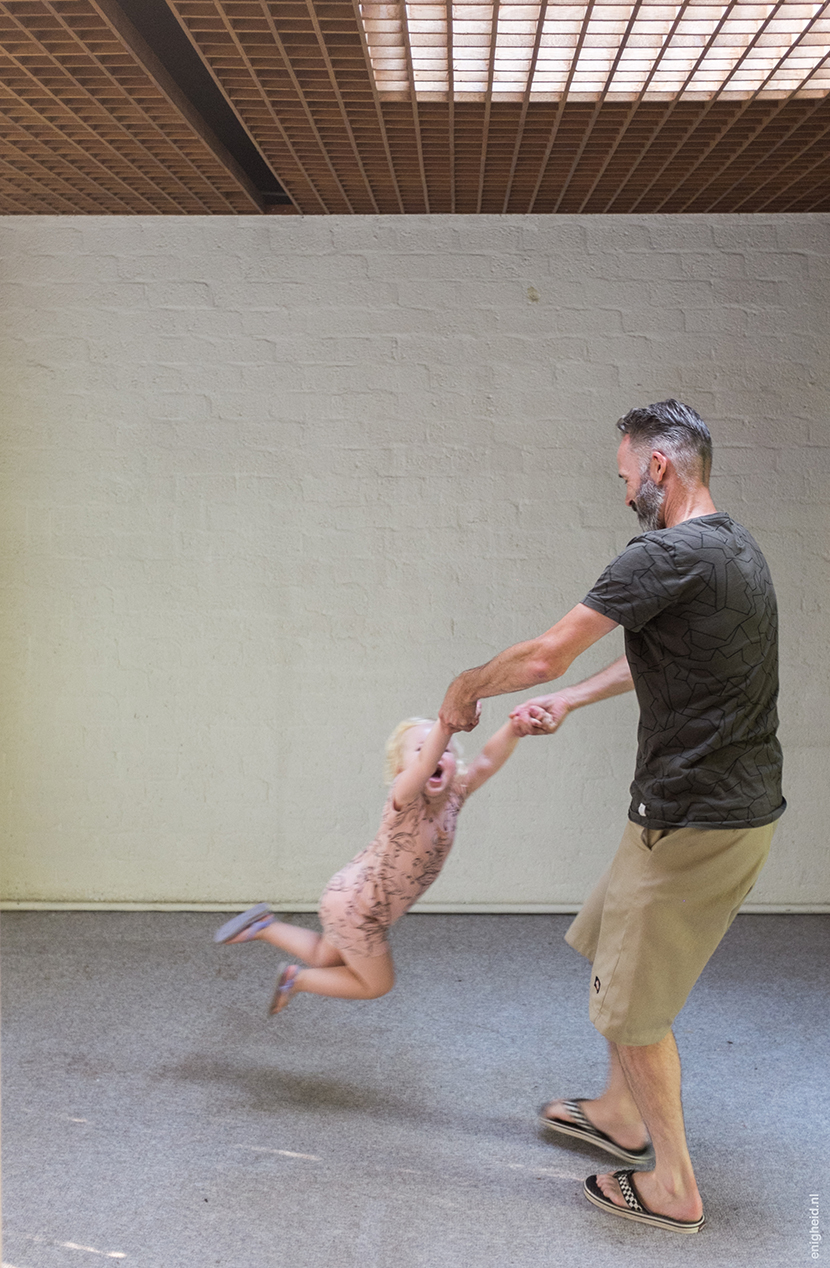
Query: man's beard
[648, 505]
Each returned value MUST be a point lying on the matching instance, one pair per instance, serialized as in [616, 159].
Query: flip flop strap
[579, 1118]
[262, 922]
[627, 1191]
[287, 986]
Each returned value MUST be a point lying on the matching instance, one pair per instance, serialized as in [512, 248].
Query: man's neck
[687, 504]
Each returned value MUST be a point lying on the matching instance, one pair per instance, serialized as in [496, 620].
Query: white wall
[270, 483]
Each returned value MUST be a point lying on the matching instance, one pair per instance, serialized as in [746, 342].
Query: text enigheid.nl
[815, 1234]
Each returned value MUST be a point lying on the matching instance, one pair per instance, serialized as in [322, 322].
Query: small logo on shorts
[597, 985]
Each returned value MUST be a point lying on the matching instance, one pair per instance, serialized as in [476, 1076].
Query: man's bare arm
[524, 665]
[614, 680]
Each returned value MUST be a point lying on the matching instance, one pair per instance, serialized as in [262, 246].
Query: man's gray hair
[678, 432]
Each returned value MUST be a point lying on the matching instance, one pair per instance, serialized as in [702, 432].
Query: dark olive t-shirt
[701, 636]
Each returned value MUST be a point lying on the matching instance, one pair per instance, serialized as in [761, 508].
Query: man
[695, 599]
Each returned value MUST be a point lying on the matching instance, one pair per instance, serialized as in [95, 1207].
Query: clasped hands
[540, 716]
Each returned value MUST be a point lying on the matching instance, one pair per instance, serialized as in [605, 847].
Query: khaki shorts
[653, 920]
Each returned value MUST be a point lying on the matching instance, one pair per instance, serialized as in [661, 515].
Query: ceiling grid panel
[89, 115]
[234, 43]
[805, 164]
[733, 145]
[551, 170]
[754, 171]
[370, 125]
[821, 203]
[29, 187]
[730, 134]
[565, 189]
[685, 104]
[521, 123]
[333, 31]
[634, 111]
[488, 103]
[53, 135]
[451, 132]
[145, 126]
[339, 44]
[389, 64]
[695, 146]
[296, 46]
[434, 135]
[395, 107]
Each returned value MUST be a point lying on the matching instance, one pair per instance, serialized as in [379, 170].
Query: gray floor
[156, 1117]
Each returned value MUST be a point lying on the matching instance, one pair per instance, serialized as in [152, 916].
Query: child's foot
[247, 925]
[285, 988]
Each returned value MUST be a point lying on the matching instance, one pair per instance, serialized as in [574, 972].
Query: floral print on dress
[383, 881]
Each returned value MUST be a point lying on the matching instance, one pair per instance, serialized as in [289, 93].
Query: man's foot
[590, 1121]
[642, 1195]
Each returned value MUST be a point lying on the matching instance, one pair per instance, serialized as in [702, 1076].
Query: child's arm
[412, 780]
[497, 750]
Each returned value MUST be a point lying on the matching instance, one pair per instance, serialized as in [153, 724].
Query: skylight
[598, 51]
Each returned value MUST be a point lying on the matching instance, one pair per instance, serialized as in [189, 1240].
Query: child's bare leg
[305, 944]
[361, 977]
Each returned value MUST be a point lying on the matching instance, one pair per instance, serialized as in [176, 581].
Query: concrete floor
[155, 1116]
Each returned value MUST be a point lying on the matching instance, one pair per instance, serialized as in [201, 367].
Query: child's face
[444, 772]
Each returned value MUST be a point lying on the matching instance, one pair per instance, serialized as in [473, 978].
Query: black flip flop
[583, 1129]
[634, 1208]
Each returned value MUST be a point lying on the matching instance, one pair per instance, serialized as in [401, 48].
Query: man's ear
[658, 467]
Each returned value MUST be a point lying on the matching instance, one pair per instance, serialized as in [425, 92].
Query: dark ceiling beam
[120, 24]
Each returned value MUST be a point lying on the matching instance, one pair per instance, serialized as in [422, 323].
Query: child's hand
[455, 719]
[532, 719]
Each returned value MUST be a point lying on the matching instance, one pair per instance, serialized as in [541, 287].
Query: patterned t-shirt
[701, 637]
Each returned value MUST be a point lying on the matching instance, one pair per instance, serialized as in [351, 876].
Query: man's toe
[610, 1187]
[557, 1109]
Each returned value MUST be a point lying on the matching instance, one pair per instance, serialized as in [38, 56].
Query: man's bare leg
[653, 1076]
[614, 1112]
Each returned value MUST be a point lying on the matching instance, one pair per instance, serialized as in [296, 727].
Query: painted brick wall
[271, 483]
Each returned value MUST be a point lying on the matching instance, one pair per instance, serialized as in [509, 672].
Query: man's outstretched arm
[529, 664]
[614, 680]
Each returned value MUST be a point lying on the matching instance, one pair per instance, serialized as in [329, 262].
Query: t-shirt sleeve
[639, 584]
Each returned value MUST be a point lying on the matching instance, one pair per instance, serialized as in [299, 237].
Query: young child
[351, 958]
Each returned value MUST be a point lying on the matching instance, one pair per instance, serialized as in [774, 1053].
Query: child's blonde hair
[393, 758]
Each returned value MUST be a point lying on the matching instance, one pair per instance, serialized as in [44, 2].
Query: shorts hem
[581, 945]
[615, 1034]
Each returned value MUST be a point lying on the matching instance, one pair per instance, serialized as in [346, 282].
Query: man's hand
[533, 716]
[457, 713]
[541, 716]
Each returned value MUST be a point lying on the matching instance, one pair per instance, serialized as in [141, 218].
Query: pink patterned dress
[384, 880]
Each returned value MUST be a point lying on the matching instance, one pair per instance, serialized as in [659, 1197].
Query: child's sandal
[249, 923]
[285, 987]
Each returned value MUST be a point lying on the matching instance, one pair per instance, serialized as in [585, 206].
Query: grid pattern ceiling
[84, 127]
[592, 50]
[418, 107]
